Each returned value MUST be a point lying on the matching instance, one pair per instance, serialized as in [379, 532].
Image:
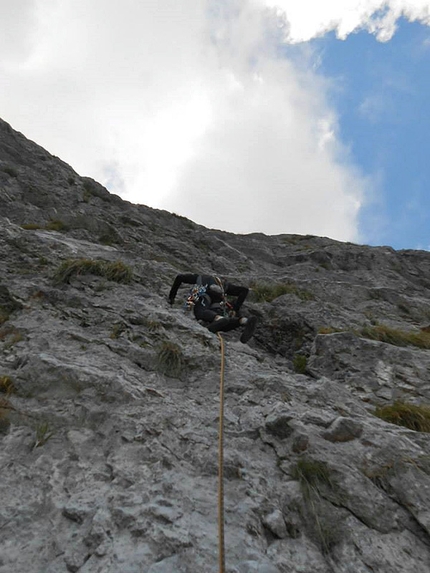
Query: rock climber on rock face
[208, 299]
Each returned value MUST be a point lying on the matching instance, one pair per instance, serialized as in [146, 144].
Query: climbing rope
[221, 461]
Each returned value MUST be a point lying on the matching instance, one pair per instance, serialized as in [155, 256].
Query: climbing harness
[221, 461]
[197, 292]
[203, 291]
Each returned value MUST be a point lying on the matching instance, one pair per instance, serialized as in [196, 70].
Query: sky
[271, 116]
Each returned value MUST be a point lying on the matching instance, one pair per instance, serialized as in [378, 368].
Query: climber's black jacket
[214, 295]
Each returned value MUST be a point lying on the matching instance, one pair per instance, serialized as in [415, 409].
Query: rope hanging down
[221, 461]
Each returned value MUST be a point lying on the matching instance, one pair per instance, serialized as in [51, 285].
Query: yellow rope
[221, 462]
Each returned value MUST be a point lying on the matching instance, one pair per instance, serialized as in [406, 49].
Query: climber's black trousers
[208, 314]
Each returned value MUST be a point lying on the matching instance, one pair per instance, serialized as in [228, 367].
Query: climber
[208, 299]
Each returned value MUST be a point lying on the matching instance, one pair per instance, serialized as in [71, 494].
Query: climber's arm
[187, 278]
[240, 292]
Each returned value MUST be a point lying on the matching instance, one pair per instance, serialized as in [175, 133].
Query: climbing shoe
[218, 325]
[249, 329]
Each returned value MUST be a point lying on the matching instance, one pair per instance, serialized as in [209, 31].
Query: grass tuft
[31, 226]
[329, 330]
[267, 292]
[300, 363]
[52, 225]
[5, 409]
[6, 385]
[44, 432]
[320, 517]
[408, 415]
[312, 474]
[56, 225]
[170, 359]
[396, 337]
[117, 329]
[117, 271]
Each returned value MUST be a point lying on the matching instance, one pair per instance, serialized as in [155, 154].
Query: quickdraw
[197, 292]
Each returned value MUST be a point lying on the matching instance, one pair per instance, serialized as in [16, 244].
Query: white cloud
[16, 24]
[309, 18]
[186, 106]
[271, 162]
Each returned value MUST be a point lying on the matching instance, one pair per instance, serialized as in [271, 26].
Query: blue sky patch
[381, 92]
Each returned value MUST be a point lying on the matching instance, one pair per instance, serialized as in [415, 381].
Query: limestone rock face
[109, 397]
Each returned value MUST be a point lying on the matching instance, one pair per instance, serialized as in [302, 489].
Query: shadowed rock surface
[109, 397]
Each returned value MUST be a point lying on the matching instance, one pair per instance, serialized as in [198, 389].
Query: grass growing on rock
[4, 315]
[116, 271]
[300, 363]
[151, 325]
[396, 337]
[312, 474]
[31, 226]
[268, 292]
[329, 330]
[5, 408]
[117, 329]
[408, 415]
[170, 359]
[6, 385]
[43, 433]
[56, 225]
[52, 225]
[319, 515]
[383, 333]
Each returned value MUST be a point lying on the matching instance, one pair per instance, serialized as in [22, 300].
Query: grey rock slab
[367, 502]
[297, 556]
[169, 565]
[256, 567]
[128, 480]
[411, 485]
[343, 430]
[368, 551]
[276, 524]
[278, 423]
[373, 370]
